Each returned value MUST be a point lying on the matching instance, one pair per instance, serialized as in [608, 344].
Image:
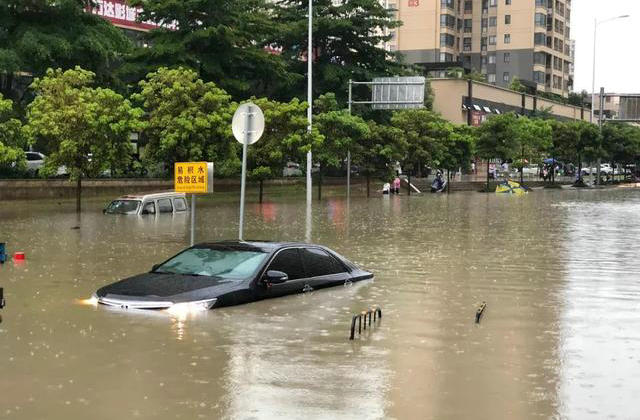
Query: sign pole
[247, 138]
[193, 219]
[349, 151]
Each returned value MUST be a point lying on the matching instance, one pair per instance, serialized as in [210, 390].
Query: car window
[318, 262]
[149, 208]
[225, 263]
[180, 204]
[123, 206]
[33, 156]
[288, 261]
[164, 205]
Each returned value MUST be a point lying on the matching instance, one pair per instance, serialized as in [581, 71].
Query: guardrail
[362, 318]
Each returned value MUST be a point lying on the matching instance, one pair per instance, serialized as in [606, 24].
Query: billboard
[398, 92]
[121, 14]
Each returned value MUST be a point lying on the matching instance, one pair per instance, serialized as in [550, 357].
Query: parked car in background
[292, 169]
[605, 168]
[141, 204]
[35, 162]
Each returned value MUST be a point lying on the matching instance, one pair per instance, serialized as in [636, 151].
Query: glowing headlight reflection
[181, 310]
[92, 301]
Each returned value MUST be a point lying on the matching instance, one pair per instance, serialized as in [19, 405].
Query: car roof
[142, 196]
[265, 246]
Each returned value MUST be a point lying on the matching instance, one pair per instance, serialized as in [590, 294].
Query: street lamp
[309, 97]
[593, 77]
[593, 83]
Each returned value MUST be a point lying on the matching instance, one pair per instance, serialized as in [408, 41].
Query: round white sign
[248, 123]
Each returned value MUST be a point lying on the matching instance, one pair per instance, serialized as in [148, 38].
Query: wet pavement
[560, 336]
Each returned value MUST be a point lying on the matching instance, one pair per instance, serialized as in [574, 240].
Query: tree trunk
[368, 185]
[448, 180]
[320, 182]
[78, 193]
[408, 183]
[261, 183]
[522, 167]
[487, 175]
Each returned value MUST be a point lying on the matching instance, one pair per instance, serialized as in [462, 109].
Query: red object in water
[19, 256]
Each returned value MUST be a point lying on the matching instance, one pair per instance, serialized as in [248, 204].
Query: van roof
[142, 196]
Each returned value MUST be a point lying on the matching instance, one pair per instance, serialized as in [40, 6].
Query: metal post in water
[248, 131]
[193, 219]
[349, 151]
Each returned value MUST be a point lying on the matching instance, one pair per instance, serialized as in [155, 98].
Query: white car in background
[35, 162]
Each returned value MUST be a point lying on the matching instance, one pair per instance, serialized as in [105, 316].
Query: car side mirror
[155, 267]
[275, 277]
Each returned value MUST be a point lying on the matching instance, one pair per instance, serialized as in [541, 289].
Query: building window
[493, 3]
[483, 60]
[491, 78]
[507, 57]
[540, 58]
[468, 24]
[507, 2]
[507, 38]
[466, 44]
[448, 21]
[541, 20]
[540, 38]
[505, 76]
[447, 3]
[447, 40]
[492, 40]
[492, 59]
[538, 77]
[468, 6]
[507, 19]
[493, 21]
[446, 57]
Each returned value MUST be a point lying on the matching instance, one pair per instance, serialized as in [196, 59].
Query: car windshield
[220, 262]
[123, 206]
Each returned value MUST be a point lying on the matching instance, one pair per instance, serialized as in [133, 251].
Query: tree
[577, 99]
[517, 85]
[187, 120]
[422, 129]
[38, 34]
[621, 143]
[285, 138]
[346, 42]
[377, 155]
[498, 138]
[535, 139]
[87, 128]
[226, 42]
[341, 133]
[12, 140]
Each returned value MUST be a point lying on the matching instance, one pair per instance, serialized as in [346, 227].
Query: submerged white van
[141, 204]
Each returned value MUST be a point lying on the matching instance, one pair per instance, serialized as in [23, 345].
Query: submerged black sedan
[230, 273]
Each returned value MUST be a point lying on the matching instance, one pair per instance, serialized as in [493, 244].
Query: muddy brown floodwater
[560, 337]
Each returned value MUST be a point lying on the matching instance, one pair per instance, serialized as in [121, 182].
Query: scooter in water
[438, 185]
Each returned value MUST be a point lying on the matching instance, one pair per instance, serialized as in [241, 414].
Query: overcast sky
[617, 55]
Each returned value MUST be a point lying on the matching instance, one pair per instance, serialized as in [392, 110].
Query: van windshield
[227, 263]
[123, 207]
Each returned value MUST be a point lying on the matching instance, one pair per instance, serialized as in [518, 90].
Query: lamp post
[309, 97]
[593, 80]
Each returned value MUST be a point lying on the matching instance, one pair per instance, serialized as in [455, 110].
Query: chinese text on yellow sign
[193, 177]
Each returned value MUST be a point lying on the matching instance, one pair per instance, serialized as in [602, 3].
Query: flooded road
[560, 337]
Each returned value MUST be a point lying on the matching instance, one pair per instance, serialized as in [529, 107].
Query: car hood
[168, 287]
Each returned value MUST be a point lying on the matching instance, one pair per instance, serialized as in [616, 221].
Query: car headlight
[185, 308]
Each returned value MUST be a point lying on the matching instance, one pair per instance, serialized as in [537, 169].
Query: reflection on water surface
[560, 336]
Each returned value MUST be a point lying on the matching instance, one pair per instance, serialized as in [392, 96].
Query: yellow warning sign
[193, 177]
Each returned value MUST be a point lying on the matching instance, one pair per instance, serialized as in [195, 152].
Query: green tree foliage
[285, 138]
[187, 120]
[87, 128]
[621, 142]
[38, 34]
[12, 140]
[577, 99]
[341, 132]
[459, 148]
[222, 40]
[498, 138]
[517, 85]
[346, 39]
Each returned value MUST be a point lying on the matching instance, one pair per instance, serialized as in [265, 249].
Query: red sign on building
[414, 3]
[125, 16]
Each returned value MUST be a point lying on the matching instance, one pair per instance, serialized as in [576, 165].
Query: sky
[617, 58]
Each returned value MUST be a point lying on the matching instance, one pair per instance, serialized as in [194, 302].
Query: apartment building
[502, 39]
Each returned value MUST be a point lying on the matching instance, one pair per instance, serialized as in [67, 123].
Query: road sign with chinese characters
[193, 177]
